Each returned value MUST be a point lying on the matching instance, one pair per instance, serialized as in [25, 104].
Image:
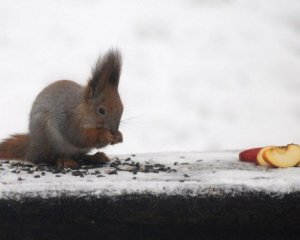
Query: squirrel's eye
[102, 110]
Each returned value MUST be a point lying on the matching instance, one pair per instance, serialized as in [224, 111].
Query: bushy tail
[14, 147]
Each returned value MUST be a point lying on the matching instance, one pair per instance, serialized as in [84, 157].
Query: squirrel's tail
[14, 147]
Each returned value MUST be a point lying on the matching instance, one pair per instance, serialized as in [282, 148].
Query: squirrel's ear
[106, 72]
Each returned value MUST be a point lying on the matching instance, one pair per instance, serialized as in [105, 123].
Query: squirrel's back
[57, 98]
[51, 115]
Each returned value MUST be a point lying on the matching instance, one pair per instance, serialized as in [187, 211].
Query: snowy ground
[210, 173]
[198, 75]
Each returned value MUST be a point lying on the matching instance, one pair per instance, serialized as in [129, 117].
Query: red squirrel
[67, 120]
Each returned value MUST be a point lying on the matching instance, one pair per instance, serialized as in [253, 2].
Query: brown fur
[14, 147]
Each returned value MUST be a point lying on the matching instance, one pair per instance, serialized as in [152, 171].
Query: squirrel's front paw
[105, 136]
[118, 137]
[100, 158]
[97, 158]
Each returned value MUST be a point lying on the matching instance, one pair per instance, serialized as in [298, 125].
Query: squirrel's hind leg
[66, 163]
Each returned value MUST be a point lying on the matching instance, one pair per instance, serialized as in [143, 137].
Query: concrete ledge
[220, 198]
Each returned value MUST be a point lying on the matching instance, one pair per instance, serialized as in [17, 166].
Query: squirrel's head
[102, 103]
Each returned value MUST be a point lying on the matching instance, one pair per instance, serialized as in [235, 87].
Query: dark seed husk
[111, 172]
[57, 170]
[137, 164]
[76, 173]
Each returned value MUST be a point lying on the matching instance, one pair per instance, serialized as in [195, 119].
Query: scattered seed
[125, 164]
[111, 172]
[185, 175]
[57, 170]
[76, 173]
[126, 168]
[137, 165]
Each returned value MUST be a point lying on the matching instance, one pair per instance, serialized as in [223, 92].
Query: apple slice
[260, 160]
[283, 157]
[249, 155]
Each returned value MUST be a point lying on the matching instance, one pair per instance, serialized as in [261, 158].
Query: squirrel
[67, 120]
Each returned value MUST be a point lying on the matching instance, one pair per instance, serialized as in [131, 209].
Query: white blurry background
[197, 75]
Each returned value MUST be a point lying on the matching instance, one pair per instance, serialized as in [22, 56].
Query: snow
[198, 75]
[209, 174]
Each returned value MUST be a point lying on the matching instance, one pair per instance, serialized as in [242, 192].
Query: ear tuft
[106, 72]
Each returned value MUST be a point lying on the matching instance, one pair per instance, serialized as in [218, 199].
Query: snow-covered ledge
[196, 191]
[197, 174]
